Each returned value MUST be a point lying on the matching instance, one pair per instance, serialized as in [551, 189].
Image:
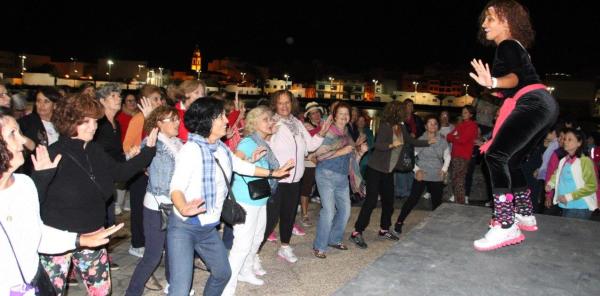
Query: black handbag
[258, 189]
[406, 161]
[232, 213]
[165, 212]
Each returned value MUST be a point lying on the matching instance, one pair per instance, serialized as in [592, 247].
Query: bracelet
[77, 241]
[494, 83]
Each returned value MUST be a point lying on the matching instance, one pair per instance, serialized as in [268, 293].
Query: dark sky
[349, 36]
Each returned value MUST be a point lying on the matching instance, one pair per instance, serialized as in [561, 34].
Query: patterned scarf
[271, 159]
[209, 167]
[290, 122]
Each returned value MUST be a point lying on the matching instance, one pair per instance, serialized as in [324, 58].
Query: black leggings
[282, 208]
[435, 188]
[378, 183]
[526, 125]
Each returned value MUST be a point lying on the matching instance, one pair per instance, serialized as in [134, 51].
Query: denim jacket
[161, 169]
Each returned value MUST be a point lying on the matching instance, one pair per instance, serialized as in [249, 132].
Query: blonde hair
[252, 118]
[189, 86]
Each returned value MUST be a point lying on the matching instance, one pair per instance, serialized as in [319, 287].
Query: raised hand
[258, 154]
[145, 106]
[99, 237]
[133, 151]
[284, 170]
[193, 208]
[41, 159]
[326, 125]
[152, 137]
[482, 74]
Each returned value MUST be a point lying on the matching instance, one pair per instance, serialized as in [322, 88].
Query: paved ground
[309, 276]
[437, 258]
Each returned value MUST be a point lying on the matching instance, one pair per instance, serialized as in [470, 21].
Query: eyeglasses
[4, 94]
[171, 119]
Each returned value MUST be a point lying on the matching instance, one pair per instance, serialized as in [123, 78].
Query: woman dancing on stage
[524, 119]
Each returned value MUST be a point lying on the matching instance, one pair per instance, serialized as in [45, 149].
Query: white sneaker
[498, 237]
[118, 210]
[166, 290]
[488, 204]
[287, 253]
[466, 200]
[427, 195]
[451, 198]
[250, 279]
[526, 223]
[257, 266]
[137, 252]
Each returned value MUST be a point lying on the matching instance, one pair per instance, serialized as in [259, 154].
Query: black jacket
[32, 127]
[69, 198]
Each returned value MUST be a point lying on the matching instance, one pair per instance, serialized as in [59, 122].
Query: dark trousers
[418, 187]
[137, 191]
[526, 125]
[378, 183]
[282, 208]
[155, 244]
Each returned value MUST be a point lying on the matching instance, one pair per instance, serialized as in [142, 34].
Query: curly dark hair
[275, 98]
[72, 111]
[5, 154]
[160, 113]
[199, 117]
[394, 113]
[580, 137]
[471, 110]
[517, 17]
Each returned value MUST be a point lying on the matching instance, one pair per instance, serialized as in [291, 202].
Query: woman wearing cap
[312, 123]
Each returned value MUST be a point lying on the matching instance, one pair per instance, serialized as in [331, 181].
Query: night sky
[307, 37]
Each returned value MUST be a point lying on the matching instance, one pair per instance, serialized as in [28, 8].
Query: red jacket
[183, 132]
[463, 139]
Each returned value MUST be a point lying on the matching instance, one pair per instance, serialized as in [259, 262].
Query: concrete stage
[437, 258]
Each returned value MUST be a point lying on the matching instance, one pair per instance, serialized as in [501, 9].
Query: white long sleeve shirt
[189, 171]
[20, 216]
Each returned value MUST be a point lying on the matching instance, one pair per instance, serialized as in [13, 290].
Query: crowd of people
[209, 181]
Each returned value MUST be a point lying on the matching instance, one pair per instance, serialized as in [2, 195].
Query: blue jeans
[155, 244]
[403, 183]
[584, 214]
[335, 211]
[182, 240]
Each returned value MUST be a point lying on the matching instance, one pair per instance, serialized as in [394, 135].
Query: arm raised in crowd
[123, 171]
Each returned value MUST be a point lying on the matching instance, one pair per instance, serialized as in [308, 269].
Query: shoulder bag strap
[13, 251]
[230, 192]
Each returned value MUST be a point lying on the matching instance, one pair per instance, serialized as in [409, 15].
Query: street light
[286, 80]
[110, 63]
[140, 67]
[375, 87]
[74, 60]
[550, 89]
[243, 76]
[160, 70]
[331, 79]
[466, 89]
[23, 69]
[416, 84]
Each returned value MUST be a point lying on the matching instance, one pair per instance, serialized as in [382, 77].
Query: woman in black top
[73, 195]
[525, 117]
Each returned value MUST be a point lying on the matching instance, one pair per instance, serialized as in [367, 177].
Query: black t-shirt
[109, 138]
[511, 57]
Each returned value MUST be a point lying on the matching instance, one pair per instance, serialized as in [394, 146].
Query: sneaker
[358, 240]
[137, 252]
[153, 284]
[297, 230]
[427, 195]
[526, 223]
[316, 199]
[257, 266]
[118, 211]
[287, 253]
[72, 282]
[385, 234]
[114, 266]
[250, 279]
[498, 237]
[466, 199]
[488, 204]
[451, 198]
[126, 209]
[166, 290]
[272, 237]
[305, 221]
